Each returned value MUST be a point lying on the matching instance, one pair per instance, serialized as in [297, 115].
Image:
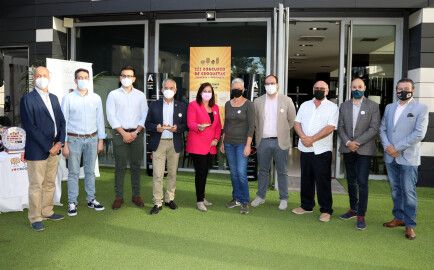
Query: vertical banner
[213, 65]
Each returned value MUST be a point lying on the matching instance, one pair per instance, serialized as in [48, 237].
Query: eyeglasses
[123, 76]
[319, 88]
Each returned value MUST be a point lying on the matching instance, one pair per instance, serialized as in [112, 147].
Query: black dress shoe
[172, 205]
[155, 209]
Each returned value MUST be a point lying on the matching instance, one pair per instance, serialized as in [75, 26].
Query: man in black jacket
[166, 122]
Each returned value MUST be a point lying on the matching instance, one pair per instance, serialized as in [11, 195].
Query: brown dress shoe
[117, 203]
[410, 233]
[394, 223]
[137, 200]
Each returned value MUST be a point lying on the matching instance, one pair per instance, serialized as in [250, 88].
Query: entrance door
[373, 52]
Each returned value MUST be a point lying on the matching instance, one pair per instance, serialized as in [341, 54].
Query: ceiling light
[318, 28]
[210, 15]
[306, 45]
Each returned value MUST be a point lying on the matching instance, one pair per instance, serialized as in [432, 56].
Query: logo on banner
[18, 163]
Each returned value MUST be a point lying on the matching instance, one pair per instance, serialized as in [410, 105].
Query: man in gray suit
[403, 127]
[274, 118]
[359, 122]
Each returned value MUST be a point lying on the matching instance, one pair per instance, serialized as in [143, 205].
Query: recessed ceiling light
[295, 62]
[318, 28]
[305, 45]
[300, 54]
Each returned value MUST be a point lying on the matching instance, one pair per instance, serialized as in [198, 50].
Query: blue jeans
[403, 181]
[238, 167]
[268, 150]
[88, 148]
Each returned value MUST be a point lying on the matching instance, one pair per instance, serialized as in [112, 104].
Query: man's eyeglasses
[319, 88]
[127, 76]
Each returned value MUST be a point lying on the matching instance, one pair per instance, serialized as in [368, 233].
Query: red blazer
[199, 142]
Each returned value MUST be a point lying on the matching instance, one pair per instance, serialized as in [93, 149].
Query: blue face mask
[357, 94]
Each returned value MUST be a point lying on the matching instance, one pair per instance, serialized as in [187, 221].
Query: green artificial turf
[266, 238]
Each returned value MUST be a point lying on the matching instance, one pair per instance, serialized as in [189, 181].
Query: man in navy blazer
[166, 122]
[43, 121]
[403, 127]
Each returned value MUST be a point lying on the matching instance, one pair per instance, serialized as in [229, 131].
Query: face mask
[127, 82]
[206, 96]
[41, 82]
[404, 95]
[271, 89]
[169, 94]
[318, 94]
[357, 94]
[237, 92]
[82, 84]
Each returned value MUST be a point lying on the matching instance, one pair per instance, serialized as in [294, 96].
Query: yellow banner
[212, 65]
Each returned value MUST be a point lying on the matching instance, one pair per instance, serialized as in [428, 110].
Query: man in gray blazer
[274, 118]
[359, 122]
[403, 127]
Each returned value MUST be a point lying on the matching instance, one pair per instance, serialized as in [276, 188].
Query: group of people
[76, 129]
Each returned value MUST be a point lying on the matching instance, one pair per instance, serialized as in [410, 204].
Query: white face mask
[168, 93]
[83, 84]
[41, 82]
[127, 82]
[271, 89]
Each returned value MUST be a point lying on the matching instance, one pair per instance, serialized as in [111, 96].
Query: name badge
[362, 112]
[215, 112]
[179, 114]
[239, 111]
[282, 110]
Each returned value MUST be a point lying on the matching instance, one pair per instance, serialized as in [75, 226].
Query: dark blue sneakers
[348, 215]
[56, 217]
[361, 224]
[38, 226]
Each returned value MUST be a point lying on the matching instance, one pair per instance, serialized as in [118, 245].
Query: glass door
[373, 52]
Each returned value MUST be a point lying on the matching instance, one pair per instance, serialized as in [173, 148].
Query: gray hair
[237, 80]
[169, 80]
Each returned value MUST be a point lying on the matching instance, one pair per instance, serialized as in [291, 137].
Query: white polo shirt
[313, 119]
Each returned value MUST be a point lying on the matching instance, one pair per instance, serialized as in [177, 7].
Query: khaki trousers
[42, 183]
[165, 151]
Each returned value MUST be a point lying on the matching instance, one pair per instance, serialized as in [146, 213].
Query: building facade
[299, 40]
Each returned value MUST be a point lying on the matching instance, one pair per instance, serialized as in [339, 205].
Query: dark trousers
[124, 153]
[202, 164]
[316, 171]
[357, 168]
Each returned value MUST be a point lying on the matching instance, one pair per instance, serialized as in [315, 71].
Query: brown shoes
[410, 233]
[117, 203]
[137, 200]
[394, 223]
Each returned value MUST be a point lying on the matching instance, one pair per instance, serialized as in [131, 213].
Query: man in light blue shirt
[85, 134]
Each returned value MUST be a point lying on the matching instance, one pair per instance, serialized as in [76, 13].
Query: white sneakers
[325, 217]
[300, 211]
[283, 205]
[207, 203]
[201, 206]
[257, 201]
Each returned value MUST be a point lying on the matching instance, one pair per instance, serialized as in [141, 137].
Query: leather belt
[82, 135]
[130, 129]
[270, 138]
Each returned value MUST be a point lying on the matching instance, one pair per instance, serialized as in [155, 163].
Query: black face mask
[404, 95]
[318, 94]
[237, 92]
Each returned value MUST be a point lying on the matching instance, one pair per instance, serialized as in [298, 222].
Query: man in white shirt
[315, 122]
[126, 109]
[85, 132]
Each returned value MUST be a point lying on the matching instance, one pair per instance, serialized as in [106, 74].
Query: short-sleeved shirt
[239, 122]
[313, 119]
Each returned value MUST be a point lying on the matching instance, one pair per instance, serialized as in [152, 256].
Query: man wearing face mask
[166, 123]
[274, 118]
[85, 132]
[43, 121]
[402, 129]
[359, 122]
[126, 109]
[315, 122]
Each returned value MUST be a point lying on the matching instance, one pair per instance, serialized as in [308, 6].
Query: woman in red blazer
[203, 120]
